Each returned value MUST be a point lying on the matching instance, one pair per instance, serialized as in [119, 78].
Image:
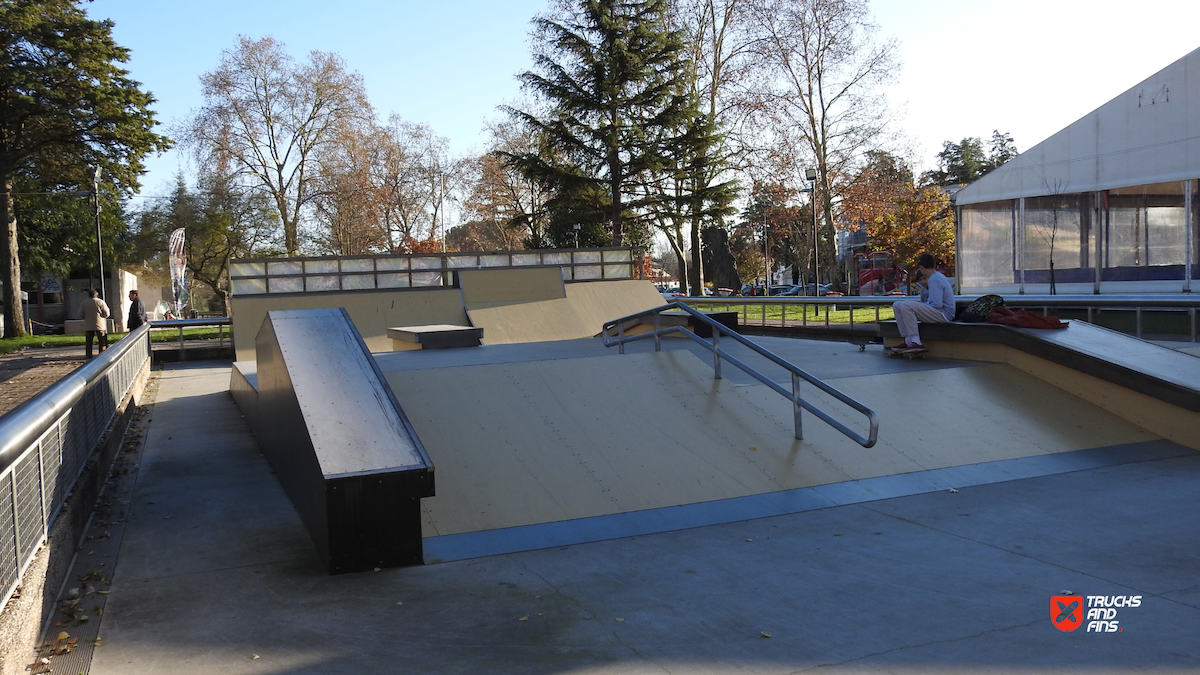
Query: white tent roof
[1149, 134]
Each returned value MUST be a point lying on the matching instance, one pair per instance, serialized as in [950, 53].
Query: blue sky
[1028, 67]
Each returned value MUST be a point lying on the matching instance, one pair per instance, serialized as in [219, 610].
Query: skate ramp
[534, 305]
[535, 442]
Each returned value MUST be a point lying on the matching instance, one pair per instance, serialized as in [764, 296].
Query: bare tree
[817, 92]
[720, 49]
[499, 193]
[347, 205]
[418, 181]
[267, 120]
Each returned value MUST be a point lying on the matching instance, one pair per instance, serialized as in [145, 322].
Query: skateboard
[919, 354]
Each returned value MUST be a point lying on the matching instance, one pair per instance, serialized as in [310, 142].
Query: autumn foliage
[921, 220]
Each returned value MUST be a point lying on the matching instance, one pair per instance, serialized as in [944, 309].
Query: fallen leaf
[765, 634]
[620, 619]
[953, 491]
[524, 618]
[63, 635]
[254, 656]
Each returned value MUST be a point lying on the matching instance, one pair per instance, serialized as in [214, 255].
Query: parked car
[785, 289]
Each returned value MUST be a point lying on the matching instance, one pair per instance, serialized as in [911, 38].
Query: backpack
[978, 310]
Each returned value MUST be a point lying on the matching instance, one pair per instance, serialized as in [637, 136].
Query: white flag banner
[179, 286]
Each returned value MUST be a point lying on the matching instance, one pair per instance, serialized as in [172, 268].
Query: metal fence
[793, 311]
[46, 443]
[423, 270]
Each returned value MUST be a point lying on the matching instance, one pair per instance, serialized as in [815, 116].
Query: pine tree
[65, 106]
[610, 75]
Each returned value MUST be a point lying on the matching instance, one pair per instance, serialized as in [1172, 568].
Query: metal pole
[716, 347]
[796, 406]
[816, 260]
[99, 248]
[1188, 225]
[1021, 242]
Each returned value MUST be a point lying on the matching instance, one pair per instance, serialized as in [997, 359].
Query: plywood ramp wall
[580, 313]
[372, 312]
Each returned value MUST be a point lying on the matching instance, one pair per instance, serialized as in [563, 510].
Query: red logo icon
[1066, 612]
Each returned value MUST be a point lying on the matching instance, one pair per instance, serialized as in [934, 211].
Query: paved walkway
[215, 574]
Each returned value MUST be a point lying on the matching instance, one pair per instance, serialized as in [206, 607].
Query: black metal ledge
[340, 444]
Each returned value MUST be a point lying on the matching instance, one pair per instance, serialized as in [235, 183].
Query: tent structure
[1107, 205]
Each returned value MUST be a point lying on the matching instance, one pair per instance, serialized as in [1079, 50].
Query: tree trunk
[695, 277]
[14, 314]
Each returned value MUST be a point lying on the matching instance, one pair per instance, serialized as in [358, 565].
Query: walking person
[137, 312]
[935, 306]
[94, 313]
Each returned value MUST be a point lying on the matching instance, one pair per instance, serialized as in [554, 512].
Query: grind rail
[655, 317]
[46, 443]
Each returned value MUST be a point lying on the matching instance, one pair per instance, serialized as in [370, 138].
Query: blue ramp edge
[451, 547]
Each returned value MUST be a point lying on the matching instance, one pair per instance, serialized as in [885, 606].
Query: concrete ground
[214, 573]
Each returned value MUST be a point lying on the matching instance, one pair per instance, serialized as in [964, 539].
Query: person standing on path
[94, 313]
[137, 311]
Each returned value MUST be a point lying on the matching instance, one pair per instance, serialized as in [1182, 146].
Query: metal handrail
[718, 353]
[219, 321]
[23, 425]
[47, 442]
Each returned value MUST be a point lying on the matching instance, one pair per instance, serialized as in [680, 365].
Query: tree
[719, 57]
[507, 197]
[821, 67]
[416, 179]
[609, 72]
[267, 120]
[922, 221]
[65, 105]
[966, 162]
[774, 232]
[348, 206]
[872, 191]
[220, 223]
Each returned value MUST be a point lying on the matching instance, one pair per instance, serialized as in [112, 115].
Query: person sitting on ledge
[935, 306]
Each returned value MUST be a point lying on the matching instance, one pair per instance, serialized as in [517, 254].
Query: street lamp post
[99, 248]
[811, 175]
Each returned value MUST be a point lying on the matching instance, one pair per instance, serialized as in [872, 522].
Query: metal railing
[259, 276]
[46, 442]
[219, 321]
[718, 354]
[785, 311]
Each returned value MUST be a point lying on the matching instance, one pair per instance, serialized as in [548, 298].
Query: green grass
[797, 313]
[10, 345]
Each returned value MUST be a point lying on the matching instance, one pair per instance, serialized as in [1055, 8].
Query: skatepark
[577, 507]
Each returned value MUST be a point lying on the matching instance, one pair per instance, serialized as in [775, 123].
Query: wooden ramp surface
[529, 312]
[546, 441]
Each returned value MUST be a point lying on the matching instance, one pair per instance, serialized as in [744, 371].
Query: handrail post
[796, 406]
[716, 345]
[657, 337]
[620, 337]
